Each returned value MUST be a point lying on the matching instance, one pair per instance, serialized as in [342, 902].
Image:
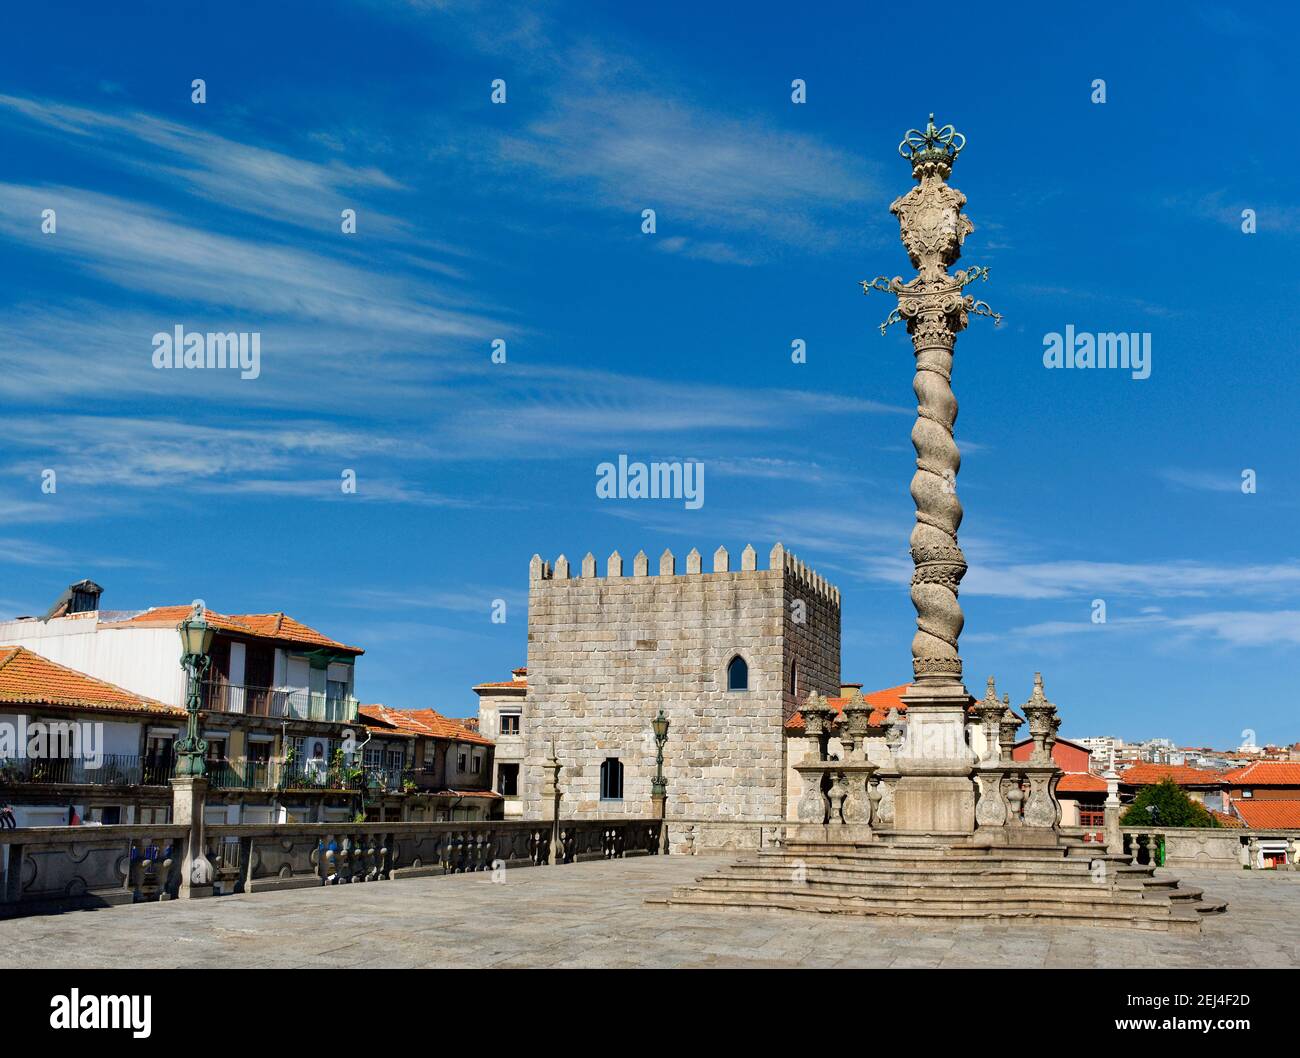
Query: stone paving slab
[594, 915]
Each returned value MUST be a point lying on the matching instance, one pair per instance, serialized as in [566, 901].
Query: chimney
[84, 597]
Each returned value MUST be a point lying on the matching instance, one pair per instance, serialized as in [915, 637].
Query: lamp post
[189, 787]
[659, 787]
[196, 641]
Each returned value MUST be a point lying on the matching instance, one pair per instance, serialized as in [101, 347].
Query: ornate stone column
[1042, 810]
[551, 797]
[1114, 836]
[991, 808]
[813, 807]
[856, 770]
[934, 791]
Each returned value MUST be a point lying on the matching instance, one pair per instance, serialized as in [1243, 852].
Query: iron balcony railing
[283, 702]
[244, 774]
[115, 769]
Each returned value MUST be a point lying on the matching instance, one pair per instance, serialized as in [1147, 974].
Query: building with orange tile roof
[449, 766]
[278, 707]
[1081, 792]
[502, 709]
[75, 748]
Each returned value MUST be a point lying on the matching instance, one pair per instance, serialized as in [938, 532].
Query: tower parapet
[779, 560]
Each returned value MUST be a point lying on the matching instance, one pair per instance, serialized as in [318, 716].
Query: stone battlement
[778, 559]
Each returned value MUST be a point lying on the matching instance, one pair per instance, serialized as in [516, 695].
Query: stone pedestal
[189, 794]
[1114, 835]
[934, 792]
[659, 808]
[934, 804]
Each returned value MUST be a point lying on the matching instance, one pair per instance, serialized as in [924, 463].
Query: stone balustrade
[51, 868]
[837, 792]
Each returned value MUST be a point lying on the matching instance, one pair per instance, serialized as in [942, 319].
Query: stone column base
[844, 833]
[928, 804]
[189, 794]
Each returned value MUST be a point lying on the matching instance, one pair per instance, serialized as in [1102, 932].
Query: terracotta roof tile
[278, 626]
[27, 678]
[880, 701]
[1225, 820]
[1182, 774]
[426, 722]
[1265, 773]
[1278, 814]
[1081, 782]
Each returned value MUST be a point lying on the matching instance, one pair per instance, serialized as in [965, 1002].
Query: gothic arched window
[737, 674]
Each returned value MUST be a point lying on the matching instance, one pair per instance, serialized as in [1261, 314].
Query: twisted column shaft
[938, 562]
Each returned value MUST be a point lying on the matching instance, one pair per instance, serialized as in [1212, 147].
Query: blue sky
[522, 221]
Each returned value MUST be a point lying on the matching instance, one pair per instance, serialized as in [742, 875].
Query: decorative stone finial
[693, 562]
[614, 568]
[721, 561]
[589, 565]
[640, 565]
[991, 713]
[1043, 721]
[749, 558]
[561, 568]
[667, 564]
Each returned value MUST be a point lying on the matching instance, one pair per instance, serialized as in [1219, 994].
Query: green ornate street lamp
[659, 788]
[196, 641]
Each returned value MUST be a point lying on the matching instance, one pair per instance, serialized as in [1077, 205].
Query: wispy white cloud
[1156, 579]
[623, 134]
[229, 173]
[1232, 628]
[150, 251]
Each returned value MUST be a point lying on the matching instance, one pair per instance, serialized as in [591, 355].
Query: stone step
[867, 879]
[938, 864]
[881, 850]
[1134, 916]
[940, 892]
[908, 884]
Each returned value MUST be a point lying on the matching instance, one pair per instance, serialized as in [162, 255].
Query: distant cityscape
[1109, 752]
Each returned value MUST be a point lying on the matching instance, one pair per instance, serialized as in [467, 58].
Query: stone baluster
[1015, 798]
[875, 794]
[838, 792]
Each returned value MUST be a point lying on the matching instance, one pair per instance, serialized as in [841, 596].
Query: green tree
[1173, 808]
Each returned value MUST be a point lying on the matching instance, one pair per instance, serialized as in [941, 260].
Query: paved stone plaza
[593, 914]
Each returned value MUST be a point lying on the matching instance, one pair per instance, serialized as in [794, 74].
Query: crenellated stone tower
[605, 652]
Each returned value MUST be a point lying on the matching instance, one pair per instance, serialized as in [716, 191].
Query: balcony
[115, 769]
[243, 774]
[278, 702]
